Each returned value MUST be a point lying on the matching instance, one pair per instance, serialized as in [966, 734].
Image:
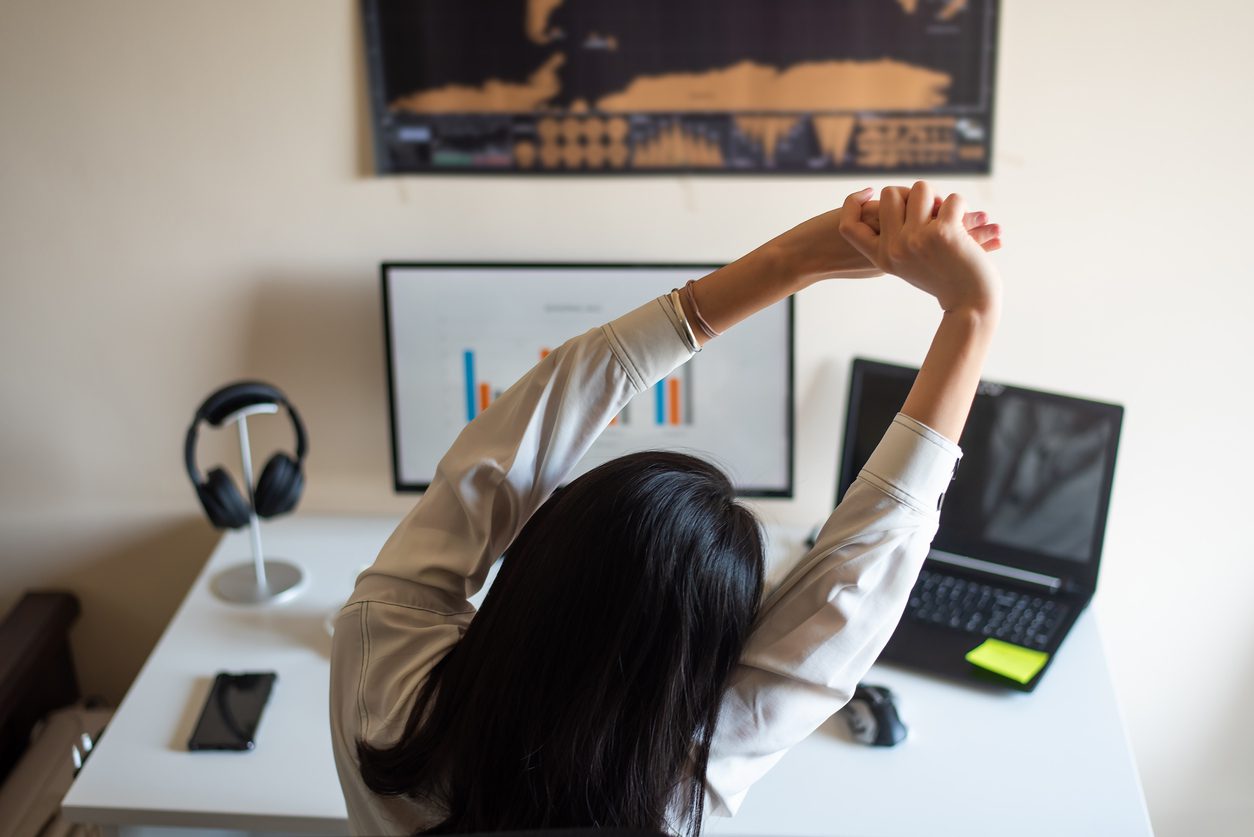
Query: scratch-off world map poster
[654, 86]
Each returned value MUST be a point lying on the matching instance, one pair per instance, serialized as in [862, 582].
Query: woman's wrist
[979, 312]
[784, 264]
[738, 290]
[982, 306]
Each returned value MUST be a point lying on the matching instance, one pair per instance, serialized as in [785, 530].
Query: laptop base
[943, 652]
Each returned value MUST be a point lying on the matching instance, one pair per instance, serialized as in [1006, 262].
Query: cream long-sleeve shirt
[817, 632]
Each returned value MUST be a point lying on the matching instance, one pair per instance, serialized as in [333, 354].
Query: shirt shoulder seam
[885, 487]
[913, 425]
[818, 557]
[432, 611]
[623, 358]
[363, 715]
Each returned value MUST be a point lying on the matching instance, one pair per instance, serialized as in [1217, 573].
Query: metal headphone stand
[264, 581]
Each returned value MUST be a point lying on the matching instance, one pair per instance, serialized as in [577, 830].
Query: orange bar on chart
[485, 397]
[674, 399]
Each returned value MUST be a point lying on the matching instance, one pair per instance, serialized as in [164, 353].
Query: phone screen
[232, 712]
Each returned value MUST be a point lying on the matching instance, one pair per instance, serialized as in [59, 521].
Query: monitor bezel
[401, 487]
[1077, 576]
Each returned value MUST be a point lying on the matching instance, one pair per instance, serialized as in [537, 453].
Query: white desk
[975, 762]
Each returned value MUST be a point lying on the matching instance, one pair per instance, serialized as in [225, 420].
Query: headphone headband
[227, 400]
[237, 396]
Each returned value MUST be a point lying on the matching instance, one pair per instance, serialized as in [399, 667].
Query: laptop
[1020, 541]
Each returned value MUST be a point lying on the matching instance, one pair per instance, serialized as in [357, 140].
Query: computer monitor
[1033, 487]
[460, 334]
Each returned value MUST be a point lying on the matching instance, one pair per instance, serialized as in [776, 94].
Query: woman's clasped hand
[934, 244]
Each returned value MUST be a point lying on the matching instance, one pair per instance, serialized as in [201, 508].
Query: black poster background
[419, 46]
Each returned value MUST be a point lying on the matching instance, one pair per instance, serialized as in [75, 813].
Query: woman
[623, 670]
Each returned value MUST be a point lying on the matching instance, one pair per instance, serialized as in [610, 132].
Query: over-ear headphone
[279, 487]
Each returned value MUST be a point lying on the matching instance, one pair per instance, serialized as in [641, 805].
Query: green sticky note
[1013, 661]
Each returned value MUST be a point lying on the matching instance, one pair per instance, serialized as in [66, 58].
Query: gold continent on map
[572, 129]
[493, 96]
[884, 84]
[525, 153]
[538, 13]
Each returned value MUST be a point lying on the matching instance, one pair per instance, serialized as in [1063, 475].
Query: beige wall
[183, 201]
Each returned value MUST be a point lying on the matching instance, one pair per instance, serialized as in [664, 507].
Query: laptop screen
[1033, 487]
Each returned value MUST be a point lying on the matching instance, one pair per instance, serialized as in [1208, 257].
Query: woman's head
[586, 689]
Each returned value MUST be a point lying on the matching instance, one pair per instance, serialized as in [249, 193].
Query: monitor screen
[1033, 486]
[459, 335]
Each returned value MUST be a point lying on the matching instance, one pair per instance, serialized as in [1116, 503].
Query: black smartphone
[232, 711]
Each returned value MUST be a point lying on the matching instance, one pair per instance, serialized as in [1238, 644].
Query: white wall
[184, 199]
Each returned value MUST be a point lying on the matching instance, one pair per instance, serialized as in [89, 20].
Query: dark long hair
[586, 690]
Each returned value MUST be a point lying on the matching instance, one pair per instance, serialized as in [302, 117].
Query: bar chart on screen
[461, 337]
[479, 394]
[672, 399]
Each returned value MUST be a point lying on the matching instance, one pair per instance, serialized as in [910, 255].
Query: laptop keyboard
[975, 607]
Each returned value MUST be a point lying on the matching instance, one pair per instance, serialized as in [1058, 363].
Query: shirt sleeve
[822, 628]
[410, 607]
[507, 462]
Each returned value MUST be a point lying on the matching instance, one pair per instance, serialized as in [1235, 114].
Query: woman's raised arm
[811, 252]
[821, 629]
[935, 254]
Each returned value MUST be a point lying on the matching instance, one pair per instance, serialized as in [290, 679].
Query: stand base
[238, 584]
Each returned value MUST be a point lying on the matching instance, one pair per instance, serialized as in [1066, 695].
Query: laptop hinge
[1048, 582]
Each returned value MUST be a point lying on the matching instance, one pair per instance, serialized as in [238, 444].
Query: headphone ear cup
[225, 506]
[213, 509]
[279, 487]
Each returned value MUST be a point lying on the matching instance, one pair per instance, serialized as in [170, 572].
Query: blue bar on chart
[672, 399]
[468, 358]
